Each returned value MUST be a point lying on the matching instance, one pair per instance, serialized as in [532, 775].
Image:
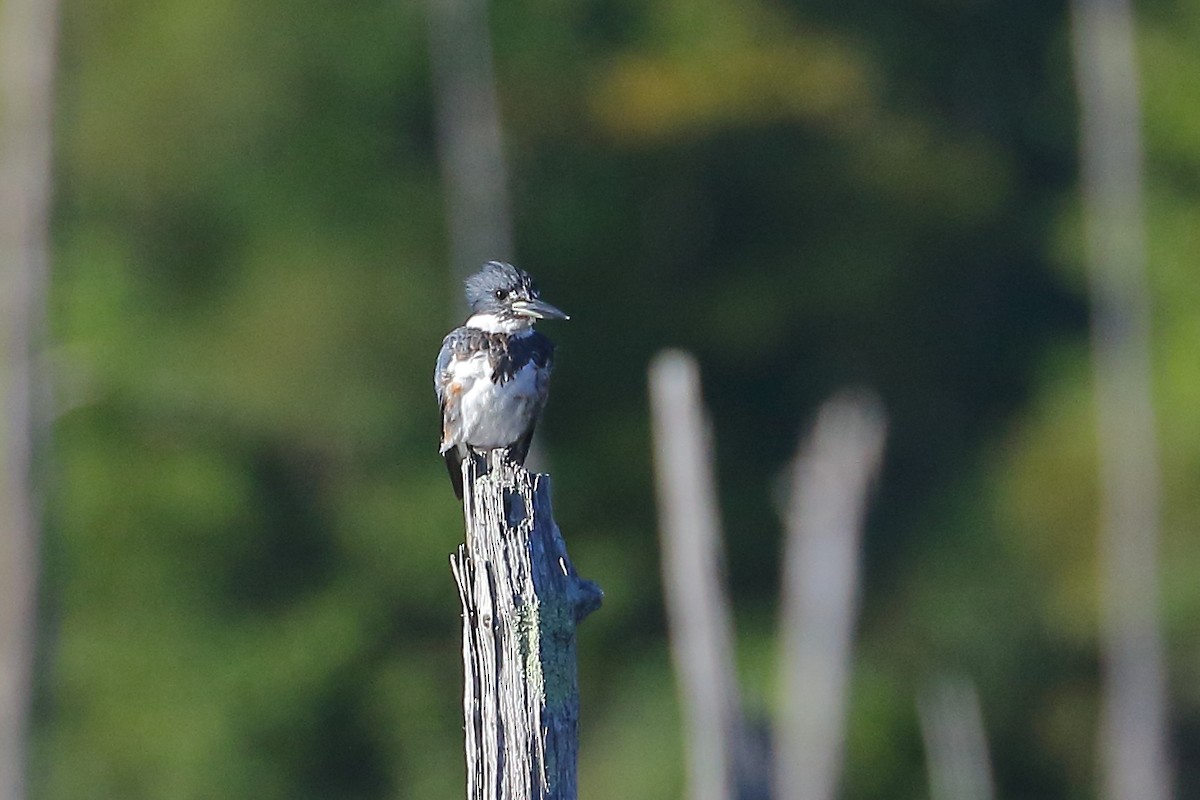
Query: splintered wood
[521, 602]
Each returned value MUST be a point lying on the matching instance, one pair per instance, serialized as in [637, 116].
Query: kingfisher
[493, 372]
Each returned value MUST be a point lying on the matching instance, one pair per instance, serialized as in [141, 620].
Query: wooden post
[522, 600]
[698, 612]
[956, 749]
[469, 136]
[824, 524]
[28, 39]
[1133, 743]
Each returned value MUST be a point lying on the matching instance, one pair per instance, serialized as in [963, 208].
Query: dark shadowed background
[247, 591]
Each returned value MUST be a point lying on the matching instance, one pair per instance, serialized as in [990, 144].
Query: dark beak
[537, 309]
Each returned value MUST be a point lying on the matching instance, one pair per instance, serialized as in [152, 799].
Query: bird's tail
[454, 457]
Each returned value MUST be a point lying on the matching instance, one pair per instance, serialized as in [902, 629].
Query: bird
[493, 372]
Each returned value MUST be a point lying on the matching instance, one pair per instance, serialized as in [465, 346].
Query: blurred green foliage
[247, 591]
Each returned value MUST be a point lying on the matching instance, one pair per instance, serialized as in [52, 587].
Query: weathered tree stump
[521, 602]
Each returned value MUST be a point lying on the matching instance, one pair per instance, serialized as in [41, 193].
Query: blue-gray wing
[441, 373]
[449, 388]
[449, 391]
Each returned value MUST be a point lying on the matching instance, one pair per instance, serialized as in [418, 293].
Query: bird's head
[505, 298]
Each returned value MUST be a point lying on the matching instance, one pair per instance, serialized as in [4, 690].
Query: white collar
[491, 323]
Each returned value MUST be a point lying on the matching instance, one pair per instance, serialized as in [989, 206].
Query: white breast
[494, 415]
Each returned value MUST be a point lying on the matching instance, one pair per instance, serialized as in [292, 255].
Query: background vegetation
[247, 592]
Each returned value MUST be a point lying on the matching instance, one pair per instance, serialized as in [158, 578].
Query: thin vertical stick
[697, 608]
[27, 49]
[820, 592]
[1133, 749]
[470, 146]
[956, 752]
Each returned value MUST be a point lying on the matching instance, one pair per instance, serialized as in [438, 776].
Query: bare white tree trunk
[956, 751]
[820, 593]
[470, 144]
[697, 607]
[27, 47]
[1133, 737]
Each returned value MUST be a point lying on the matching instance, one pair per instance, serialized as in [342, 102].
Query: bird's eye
[500, 294]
